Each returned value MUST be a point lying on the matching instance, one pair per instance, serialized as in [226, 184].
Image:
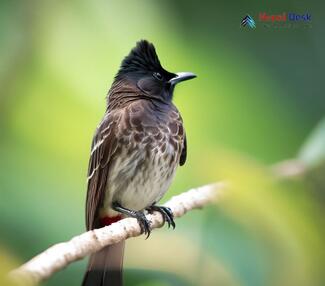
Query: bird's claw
[166, 213]
[144, 223]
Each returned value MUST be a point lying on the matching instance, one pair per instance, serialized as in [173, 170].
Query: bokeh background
[257, 101]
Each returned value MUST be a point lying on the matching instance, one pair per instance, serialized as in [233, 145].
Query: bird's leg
[139, 215]
[166, 213]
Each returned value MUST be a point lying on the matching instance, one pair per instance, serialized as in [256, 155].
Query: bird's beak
[181, 76]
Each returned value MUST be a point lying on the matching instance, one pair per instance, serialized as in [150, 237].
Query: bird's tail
[105, 267]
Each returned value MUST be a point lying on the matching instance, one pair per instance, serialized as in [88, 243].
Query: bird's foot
[143, 222]
[139, 215]
[166, 213]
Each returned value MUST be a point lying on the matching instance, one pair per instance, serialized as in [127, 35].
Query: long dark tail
[105, 267]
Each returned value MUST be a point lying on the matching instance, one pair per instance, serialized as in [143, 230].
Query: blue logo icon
[248, 21]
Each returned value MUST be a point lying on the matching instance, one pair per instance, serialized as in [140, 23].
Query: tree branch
[62, 254]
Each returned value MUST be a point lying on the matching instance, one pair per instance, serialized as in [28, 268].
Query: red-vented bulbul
[135, 152]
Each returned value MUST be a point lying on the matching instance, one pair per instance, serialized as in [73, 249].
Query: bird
[135, 152]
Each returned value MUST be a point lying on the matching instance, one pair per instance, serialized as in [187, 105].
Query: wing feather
[182, 159]
[104, 146]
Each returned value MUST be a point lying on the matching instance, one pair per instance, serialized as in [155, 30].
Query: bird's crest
[143, 57]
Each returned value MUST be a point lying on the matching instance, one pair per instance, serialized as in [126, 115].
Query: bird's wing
[104, 145]
[182, 159]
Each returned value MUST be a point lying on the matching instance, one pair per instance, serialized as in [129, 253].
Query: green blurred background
[257, 98]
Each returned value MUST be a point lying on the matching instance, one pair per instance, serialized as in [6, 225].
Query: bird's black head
[142, 67]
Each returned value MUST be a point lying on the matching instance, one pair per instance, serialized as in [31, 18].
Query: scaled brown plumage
[135, 152]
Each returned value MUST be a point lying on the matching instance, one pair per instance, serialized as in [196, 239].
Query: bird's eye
[157, 75]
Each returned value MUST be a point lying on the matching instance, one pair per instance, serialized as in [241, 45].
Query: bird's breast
[143, 170]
